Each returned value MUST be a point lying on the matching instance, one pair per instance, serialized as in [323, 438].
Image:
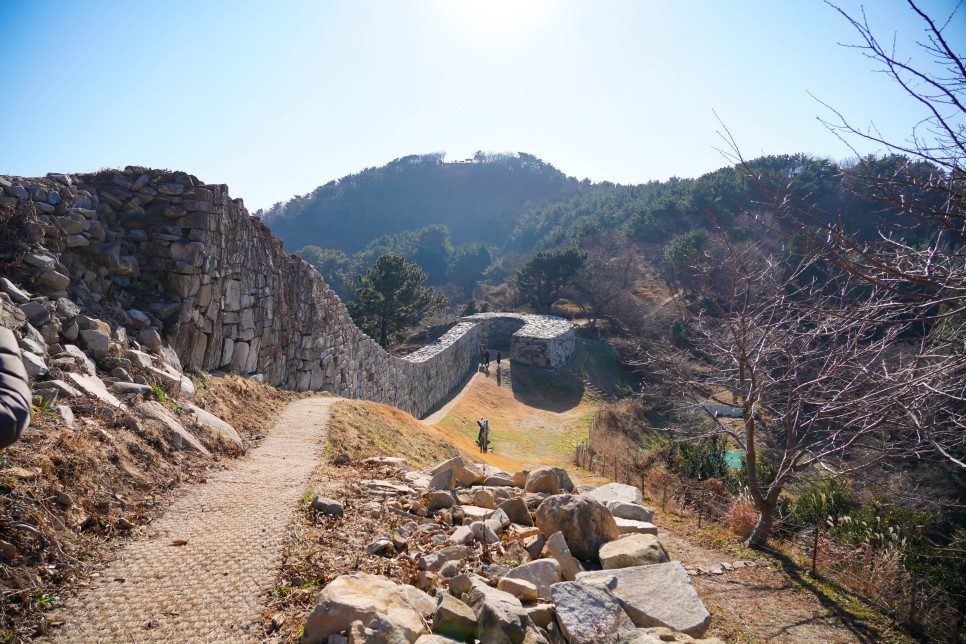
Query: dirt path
[211, 589]
[757, 604]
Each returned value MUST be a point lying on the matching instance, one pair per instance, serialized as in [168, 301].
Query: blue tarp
[723, 411]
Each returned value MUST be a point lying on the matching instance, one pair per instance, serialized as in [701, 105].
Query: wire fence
[871, 573]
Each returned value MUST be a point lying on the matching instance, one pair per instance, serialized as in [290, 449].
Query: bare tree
[818, 364]
[917, 254]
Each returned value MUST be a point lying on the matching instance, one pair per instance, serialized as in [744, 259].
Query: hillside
[478, 201]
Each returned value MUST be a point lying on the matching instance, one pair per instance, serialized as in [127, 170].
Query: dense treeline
[479, 200]
[495, 213]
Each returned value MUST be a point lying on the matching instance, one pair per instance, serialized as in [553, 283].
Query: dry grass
[362, 429]
[742, 518]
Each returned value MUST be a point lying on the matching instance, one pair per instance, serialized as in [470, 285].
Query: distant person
[482, 353]
[499, 358]
[14, 390]
[486, 358]
[483, 437]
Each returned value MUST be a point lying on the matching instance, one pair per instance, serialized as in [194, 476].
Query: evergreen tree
[546, 273]
[391, 298]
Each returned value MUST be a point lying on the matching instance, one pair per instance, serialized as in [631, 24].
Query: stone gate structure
[541, 340]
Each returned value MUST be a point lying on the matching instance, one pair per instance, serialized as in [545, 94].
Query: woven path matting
[212, 589]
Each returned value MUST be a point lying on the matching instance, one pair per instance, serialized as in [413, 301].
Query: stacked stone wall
[158, 250]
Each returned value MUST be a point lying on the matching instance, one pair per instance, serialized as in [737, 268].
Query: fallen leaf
[179, 542]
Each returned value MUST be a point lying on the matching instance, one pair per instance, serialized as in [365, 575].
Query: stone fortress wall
[544, 341]
[150, 249]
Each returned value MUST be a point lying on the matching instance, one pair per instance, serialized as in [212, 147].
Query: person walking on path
[482, 353]
[483, 437]
[486, 358]
[499, 358]
[14, 390]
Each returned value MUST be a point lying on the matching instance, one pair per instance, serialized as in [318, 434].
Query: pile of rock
[74, 358]
[501, 557]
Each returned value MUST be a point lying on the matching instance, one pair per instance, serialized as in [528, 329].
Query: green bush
[699, 461]
[826, 501]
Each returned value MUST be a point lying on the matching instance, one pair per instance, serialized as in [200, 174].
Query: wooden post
[615, 469]
[664, 494]
[700, 508]
[815, 550]
[913, 617]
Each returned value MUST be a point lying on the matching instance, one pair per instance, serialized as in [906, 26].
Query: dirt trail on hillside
[212, 588]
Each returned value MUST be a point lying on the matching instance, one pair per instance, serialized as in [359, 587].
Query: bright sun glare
[497, 17]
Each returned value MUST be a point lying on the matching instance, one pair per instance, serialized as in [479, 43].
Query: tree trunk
[759, 536]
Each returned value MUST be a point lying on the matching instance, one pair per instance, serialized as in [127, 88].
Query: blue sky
[276, 98]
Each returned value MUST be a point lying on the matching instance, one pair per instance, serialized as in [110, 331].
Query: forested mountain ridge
[477, 200]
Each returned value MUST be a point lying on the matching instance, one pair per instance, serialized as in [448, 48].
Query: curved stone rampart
[540, 340]
[156, 249]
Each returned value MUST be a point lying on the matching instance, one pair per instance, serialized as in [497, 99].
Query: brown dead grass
[362, 429]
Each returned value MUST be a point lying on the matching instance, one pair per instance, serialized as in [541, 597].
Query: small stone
[8, 550]
[53, 280]
[437, 500]
[151, 339]
[34, 365]
[454, 619]
[66, 414]
[327, 506]
[132, 388]
[381, 548]
[519, 588]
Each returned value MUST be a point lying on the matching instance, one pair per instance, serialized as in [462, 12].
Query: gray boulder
[657, 595]
[566, 485]
[628, 526]
[556, 548]
[587, 613]
[442, 480]
[367, 598]
[616, 492]
[34, 365]
[454, 619]
[454, 463]
[632, 550]
[586, 524]
[499, 615]
[542, 573]
[543, 479]
[632, 511]
[517, 511]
